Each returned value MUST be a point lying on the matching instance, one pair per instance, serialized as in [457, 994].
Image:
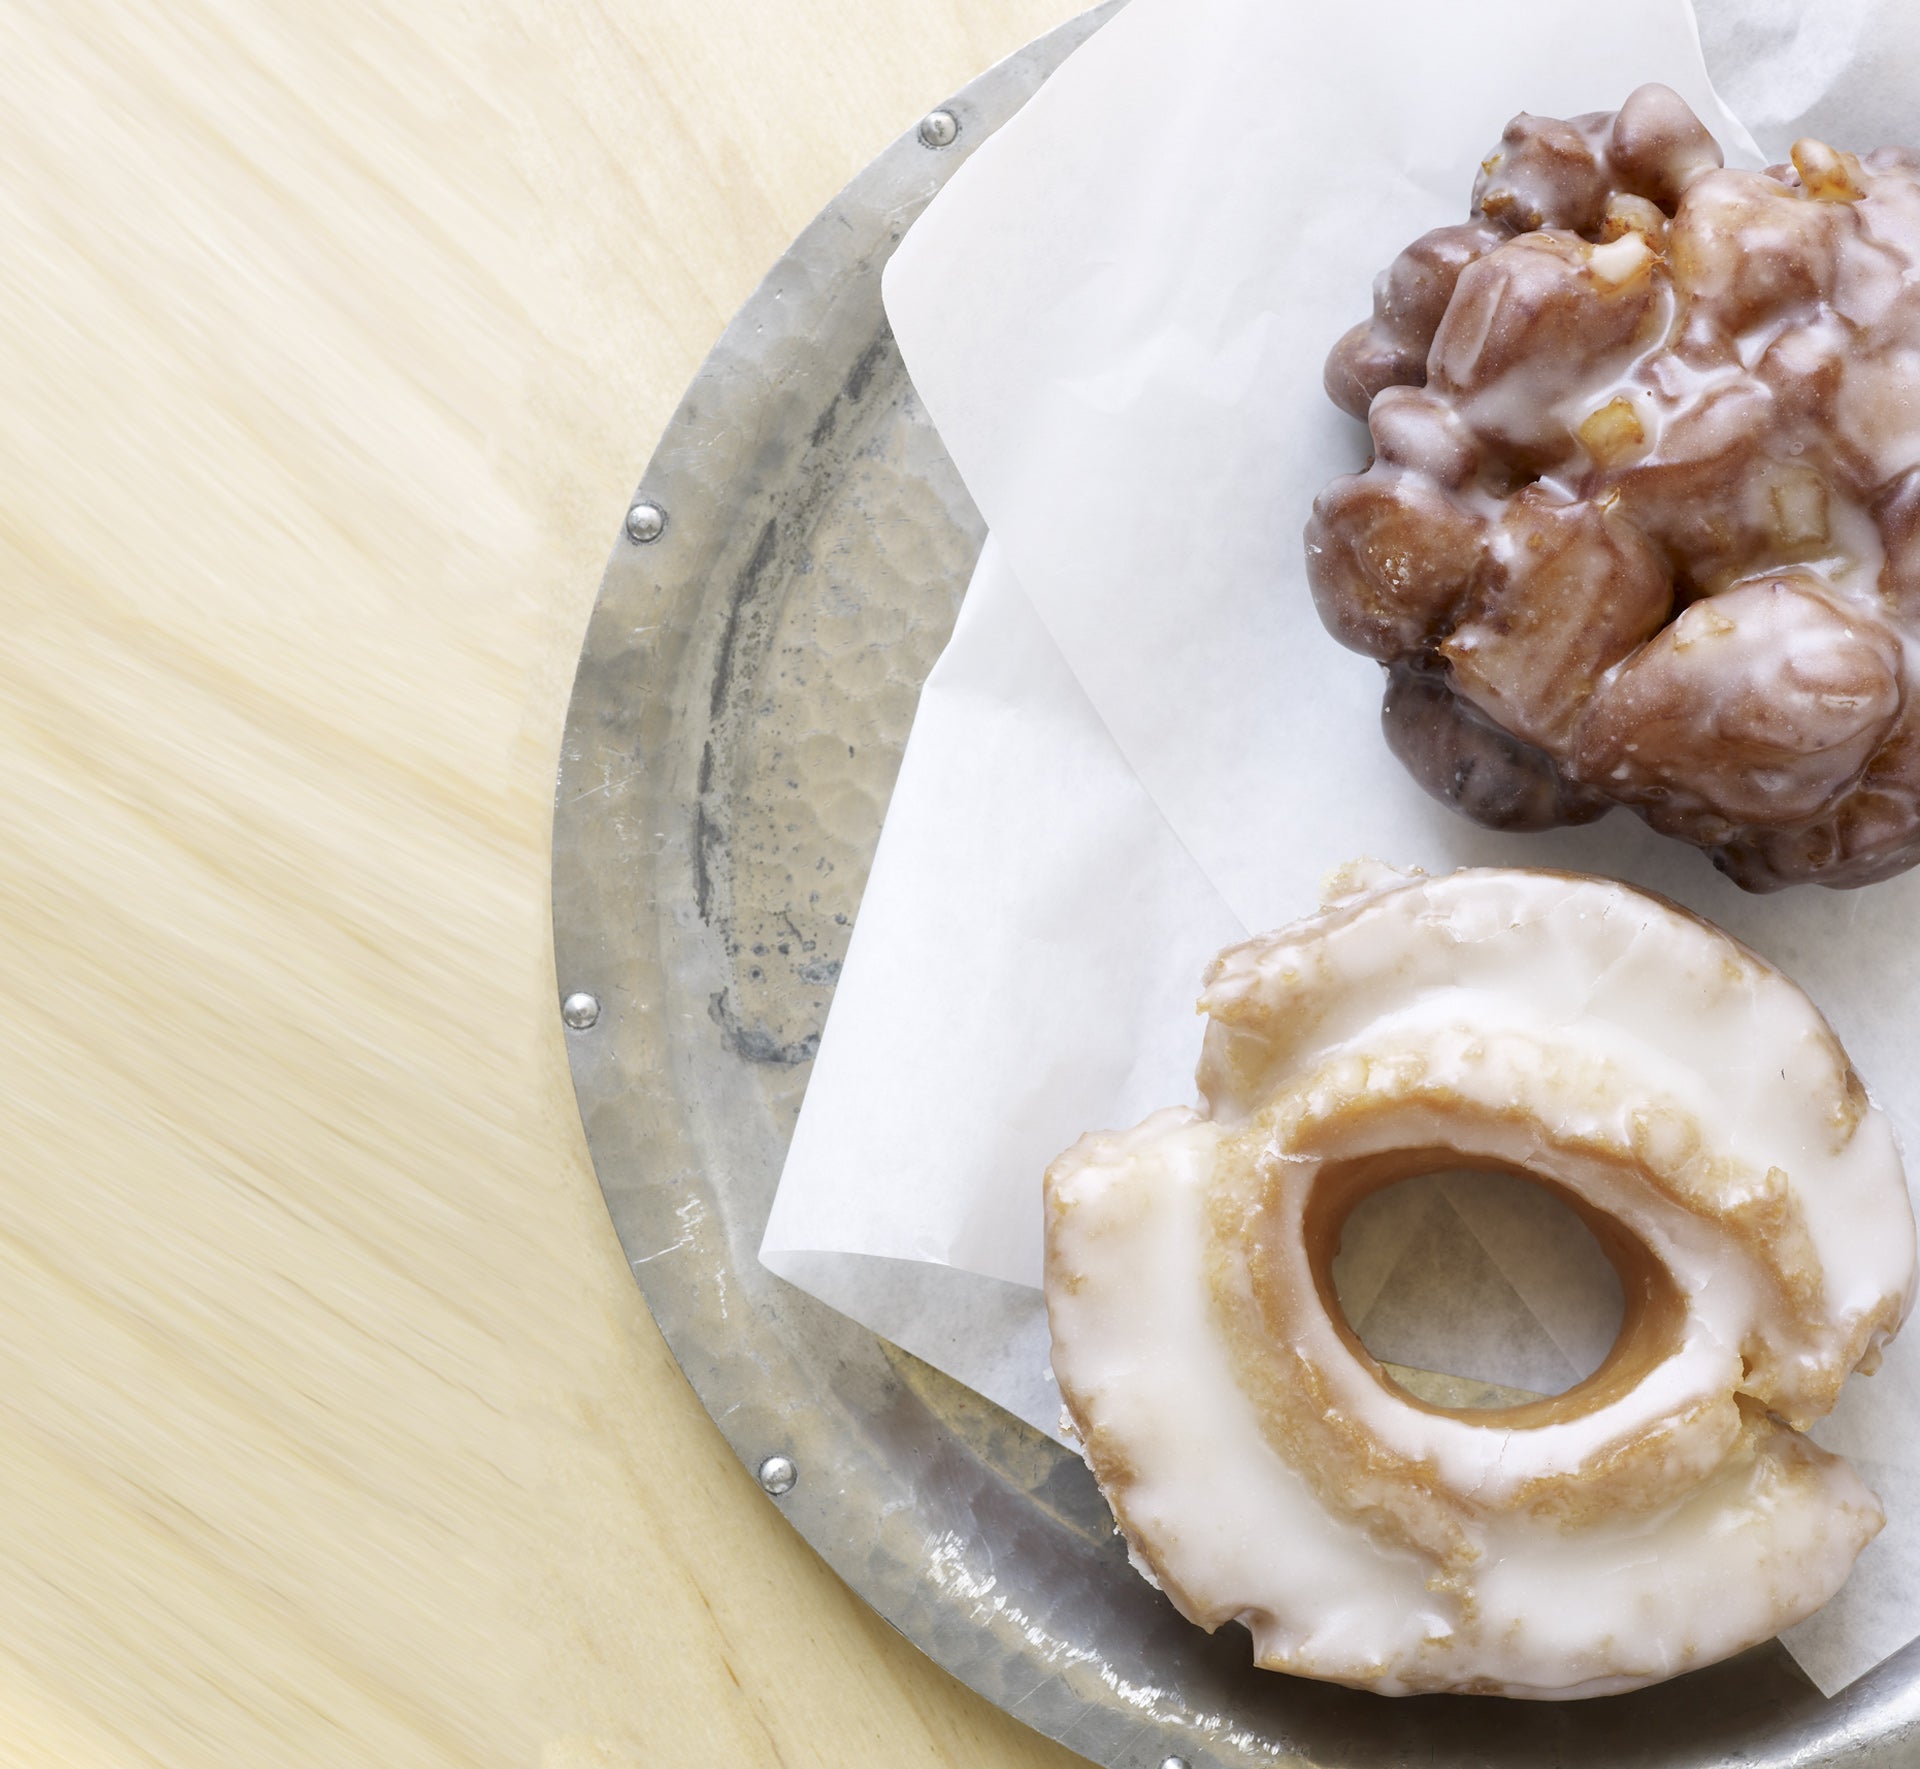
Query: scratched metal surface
[743, 697]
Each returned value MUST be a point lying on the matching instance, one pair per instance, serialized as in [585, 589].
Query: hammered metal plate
[742, 701]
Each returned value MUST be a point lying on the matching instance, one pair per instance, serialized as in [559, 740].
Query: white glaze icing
[1546, 1023]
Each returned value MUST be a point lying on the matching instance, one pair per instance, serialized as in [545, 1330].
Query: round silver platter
[789, 571]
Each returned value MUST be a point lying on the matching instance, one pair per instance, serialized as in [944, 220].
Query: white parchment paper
[1141, 745]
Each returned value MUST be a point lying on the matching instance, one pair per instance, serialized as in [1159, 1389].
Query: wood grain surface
[333, 338]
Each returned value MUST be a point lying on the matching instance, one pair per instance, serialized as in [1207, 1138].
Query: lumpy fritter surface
[1642, 525]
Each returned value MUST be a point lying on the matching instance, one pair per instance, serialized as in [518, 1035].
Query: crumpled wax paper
[1140, 745]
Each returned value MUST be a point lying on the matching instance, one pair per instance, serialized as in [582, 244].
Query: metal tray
[789, 570]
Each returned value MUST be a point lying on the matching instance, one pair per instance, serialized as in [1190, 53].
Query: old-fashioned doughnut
[1684, 1097]
[1642, 525]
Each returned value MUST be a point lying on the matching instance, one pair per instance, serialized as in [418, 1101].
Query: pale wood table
[333, 338]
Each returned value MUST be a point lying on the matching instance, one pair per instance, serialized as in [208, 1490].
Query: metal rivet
[1175, 1763]
[778, 1474]
[645, 522]
[580, 1010]
[939, 128]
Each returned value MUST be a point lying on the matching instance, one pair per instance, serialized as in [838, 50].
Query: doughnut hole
[1758, 706]
[1658, 147]
[1580, 589]
[1545, 173]
[1608, 1272]
[1388, 556]
[1417, 1281]
[1460, 757]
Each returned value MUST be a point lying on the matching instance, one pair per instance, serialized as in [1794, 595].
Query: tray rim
[899, 180]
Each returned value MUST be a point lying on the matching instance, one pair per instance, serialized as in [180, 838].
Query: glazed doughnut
[1642, 525]
[1684, 1098]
